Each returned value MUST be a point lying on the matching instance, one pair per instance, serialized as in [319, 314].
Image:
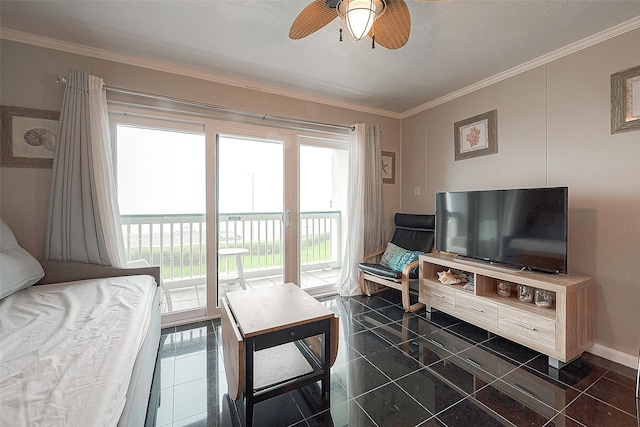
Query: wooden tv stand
[562, 332]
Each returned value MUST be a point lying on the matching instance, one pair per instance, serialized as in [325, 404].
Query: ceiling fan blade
[311, 19]
[393, 27]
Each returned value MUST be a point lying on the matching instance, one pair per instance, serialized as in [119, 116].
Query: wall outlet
[416, 190]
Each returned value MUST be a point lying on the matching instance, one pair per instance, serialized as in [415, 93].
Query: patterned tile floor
[399, 369]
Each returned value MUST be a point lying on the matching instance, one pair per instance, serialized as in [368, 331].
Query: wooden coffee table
[255, 320]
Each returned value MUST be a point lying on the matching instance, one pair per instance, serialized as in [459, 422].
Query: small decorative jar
[543, 298]
[525, 293]
[504, 289]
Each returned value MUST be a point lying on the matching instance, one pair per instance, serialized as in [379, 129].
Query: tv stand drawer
[528, 326]
[485, 312]
[437, 296]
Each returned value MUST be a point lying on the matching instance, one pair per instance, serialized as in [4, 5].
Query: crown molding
[46, 42]
[168, 67]
[542, 60]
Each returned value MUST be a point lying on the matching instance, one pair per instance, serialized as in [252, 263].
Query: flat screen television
[517, 227]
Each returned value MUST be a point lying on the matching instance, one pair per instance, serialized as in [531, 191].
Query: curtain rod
[63, 80]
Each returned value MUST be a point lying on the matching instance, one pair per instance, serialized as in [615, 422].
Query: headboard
[66, 271]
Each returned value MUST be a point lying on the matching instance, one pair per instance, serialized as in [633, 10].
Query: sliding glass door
[323, 204]
[250, 213]
[161, 176]
[224, 207]
[281, 203]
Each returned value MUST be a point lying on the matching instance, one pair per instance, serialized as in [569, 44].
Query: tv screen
[519, 227]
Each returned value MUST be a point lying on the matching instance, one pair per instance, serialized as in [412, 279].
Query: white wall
[554, 129]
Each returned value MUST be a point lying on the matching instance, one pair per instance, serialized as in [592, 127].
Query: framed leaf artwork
[476, 136]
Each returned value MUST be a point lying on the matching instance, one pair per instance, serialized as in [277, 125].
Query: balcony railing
[177, 243]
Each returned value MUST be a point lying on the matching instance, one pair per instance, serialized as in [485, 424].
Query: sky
[162, 172]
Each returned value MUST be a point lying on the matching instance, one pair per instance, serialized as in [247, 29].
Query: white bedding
[67, 350]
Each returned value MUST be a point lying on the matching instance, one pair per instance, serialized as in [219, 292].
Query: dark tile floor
[398, 369]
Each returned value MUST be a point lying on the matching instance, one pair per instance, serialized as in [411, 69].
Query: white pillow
[19, 269]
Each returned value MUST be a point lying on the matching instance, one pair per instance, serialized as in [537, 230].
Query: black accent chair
[413, 232]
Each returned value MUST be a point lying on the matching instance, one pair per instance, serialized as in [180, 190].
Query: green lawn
[316, 252]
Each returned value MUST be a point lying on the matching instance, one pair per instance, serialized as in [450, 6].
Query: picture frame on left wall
[29, 137]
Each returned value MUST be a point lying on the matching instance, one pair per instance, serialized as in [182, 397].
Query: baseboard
[615, 355]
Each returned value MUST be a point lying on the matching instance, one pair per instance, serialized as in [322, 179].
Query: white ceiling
[454, 44]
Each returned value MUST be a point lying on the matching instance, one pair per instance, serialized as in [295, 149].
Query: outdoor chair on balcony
[138, 263]
[397, 268]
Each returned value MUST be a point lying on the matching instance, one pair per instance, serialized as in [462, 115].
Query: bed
[78, 345]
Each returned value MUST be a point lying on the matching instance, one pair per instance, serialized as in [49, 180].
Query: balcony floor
[189, 297]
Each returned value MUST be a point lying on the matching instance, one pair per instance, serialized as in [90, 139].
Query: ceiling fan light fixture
[359, 15]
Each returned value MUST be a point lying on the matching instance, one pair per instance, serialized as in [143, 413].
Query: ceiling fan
[387, 22]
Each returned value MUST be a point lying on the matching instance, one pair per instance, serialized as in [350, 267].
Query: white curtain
[365, 208]
[84, 219]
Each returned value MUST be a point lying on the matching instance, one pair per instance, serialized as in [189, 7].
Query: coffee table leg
[248, 388]
[326, 361]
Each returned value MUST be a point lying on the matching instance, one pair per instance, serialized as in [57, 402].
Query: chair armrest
[407, 268]
[372, 254]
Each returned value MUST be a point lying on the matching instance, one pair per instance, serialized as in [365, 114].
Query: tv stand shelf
[562, 331]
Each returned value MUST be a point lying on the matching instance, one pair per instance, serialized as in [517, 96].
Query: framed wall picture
[29, 137]
[476, 136]
[625, 100]
[388, 167]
